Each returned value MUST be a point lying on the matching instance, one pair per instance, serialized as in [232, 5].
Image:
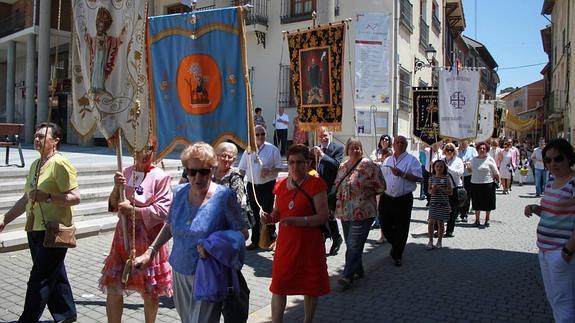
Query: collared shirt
[466, 156]
[270, 157]
[537, 158]
[397, 186]
[281, 125]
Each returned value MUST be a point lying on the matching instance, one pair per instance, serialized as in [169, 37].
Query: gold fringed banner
[316, 64]
[518, 124]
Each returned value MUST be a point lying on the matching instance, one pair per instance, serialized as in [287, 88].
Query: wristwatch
[566, 251]
[49, 199]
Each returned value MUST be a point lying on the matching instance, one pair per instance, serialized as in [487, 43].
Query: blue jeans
[541, 176]
[355, 234]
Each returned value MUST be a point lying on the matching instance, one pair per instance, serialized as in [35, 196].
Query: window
[404, 89]
[406, 14]
[286, 94]
[297, 10]
[423, 9]
[435, 23]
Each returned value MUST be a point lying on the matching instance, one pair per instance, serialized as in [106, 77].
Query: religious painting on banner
[486, 120]
[426, 114]
[316, 58]
[198, 72]
[109, 69]
[458, 102]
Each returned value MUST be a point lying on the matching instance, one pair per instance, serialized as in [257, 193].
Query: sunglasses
[194, 171]
[557, 159]
[260, 134]
[449, 150]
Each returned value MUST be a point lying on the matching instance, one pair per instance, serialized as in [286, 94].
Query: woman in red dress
[299, 266]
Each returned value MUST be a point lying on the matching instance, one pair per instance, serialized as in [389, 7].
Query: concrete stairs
[91, 216]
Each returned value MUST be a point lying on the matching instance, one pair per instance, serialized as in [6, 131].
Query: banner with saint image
[316, 58]
[426, 114]
[109, 69]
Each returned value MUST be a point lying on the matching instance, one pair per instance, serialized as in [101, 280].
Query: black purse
[460, 192]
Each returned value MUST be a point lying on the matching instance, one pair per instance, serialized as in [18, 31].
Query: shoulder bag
[58, 235]
[460, 191]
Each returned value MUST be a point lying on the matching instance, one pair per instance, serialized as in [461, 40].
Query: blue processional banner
[198, 78]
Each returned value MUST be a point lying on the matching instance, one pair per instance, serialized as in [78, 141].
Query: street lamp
[429, 56]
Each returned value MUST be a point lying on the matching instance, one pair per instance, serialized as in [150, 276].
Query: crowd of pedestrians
[209, 217]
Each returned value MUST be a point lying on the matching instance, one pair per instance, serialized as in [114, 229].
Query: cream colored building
[560, 112]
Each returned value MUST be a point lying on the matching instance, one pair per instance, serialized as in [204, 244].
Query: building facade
[426, 34]
[526, 103]
[558, 39]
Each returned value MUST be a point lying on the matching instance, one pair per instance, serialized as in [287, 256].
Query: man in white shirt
[281, 132]
[401, 172]
[261, 171]
[541, 174]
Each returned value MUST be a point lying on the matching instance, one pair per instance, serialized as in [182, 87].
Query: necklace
[297, 186]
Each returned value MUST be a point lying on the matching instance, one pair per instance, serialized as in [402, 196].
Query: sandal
[438, 245]
[429, 246]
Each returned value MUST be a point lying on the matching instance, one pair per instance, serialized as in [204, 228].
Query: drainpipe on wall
[395, 52]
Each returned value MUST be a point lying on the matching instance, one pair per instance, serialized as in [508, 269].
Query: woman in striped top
[556, 230]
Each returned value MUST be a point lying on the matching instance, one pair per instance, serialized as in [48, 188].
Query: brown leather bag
[60, 236]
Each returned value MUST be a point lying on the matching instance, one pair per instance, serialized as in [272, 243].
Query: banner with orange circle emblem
[198, 74]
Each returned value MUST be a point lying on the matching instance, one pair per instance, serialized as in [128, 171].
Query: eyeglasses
[194, 171]
[260, 134]
[557, 159]
[227, 156]
[296, 162]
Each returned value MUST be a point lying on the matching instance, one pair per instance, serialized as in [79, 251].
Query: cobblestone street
[482, 274]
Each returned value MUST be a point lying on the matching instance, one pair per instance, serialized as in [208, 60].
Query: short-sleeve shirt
[466, 156]
[557, 220]
[189, 223]
[270, 157]
[395, 185]
[57, 176]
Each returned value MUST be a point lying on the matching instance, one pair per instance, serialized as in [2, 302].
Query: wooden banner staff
[345, 21]
[128, 266]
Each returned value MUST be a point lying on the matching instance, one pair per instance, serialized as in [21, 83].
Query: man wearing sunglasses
[261, 171]
[541, 174]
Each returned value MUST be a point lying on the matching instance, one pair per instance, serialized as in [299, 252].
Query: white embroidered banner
[486, 120]
[458, 103]
[109, 69]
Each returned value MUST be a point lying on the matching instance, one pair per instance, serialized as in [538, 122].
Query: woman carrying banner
[147, 189]
[49, 195]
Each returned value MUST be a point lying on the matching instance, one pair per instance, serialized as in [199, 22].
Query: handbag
[324, 228]
[58, 235]
[461, 193]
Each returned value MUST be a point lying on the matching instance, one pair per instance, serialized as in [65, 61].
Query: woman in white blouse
[484, 174]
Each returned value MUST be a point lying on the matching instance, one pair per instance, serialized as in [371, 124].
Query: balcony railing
[435, 24]
[423, 33]
[12, 24]
[258, 14]
[406, 14]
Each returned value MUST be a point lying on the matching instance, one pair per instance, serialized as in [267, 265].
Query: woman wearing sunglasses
[199, 209]
[147, 191]
[556, 229]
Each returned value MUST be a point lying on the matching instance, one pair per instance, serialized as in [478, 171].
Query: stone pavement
[481, 275]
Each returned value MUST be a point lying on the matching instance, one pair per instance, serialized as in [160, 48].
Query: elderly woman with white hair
[200, 208]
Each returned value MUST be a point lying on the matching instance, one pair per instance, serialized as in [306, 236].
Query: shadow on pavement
[438, 286]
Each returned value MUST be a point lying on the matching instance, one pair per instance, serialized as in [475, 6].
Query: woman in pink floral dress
[149, 188]
[358, 182]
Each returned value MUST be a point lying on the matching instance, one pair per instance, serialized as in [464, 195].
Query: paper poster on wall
[372, 57]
